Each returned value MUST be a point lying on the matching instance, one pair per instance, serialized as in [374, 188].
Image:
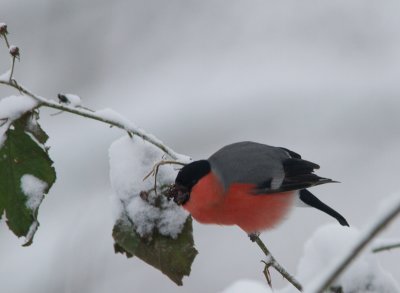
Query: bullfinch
[249, 184]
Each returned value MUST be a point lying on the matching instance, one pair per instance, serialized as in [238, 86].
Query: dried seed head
[14, 51]
[3, 29]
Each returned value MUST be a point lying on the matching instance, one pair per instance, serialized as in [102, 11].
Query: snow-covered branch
[387, 213]
[106, 116]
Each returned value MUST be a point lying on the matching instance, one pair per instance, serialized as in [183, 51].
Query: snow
[5, 77]
[363, 268]
[250, 286]
[73, 100]
[130, 161]
[327, 245]
[34, 189]
[111, 115]
[12, 108]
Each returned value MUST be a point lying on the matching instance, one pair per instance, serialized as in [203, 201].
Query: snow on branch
[72, 104]
[389, 210]
[106, 116]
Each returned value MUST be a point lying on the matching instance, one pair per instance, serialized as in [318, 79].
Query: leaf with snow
[173, 257]
[149, 226]
[26, 173]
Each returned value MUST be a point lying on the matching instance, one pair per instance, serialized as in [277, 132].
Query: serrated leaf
[21, 155]
[173, 257]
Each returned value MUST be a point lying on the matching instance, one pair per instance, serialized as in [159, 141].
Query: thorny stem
[273, 263]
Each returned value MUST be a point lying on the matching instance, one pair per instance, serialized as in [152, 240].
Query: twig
[156, 167]
[12, 69]
[334, 271]
[385, 247]
[271, 262]
[3, 34]
[154, 171]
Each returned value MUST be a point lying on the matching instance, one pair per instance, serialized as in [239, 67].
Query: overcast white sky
[318, 77]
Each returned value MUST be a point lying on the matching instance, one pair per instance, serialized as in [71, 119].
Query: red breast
[238, 205]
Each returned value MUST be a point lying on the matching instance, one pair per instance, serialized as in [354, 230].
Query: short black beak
[181, 198]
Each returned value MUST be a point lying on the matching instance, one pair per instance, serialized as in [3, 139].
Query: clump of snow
[328, 244]
[73, 100]
[12, 108]
[130, 161]
[143, 215]
[172, 219]
[249, 286]
[34, 189]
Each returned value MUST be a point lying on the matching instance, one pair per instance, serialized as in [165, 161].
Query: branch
[334, 271]
[271, 262]
[119, 122]
[110, 117]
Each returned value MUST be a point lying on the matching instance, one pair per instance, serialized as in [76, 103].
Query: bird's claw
[266, 272]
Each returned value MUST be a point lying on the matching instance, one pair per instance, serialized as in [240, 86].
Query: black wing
[299, 174]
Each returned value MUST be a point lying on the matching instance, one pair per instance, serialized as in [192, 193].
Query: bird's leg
[267, 275]
[271, 262]
[254, 237]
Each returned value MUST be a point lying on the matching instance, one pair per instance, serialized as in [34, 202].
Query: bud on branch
[3, 29]
[14, 51]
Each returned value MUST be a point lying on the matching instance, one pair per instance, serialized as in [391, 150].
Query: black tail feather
[308, 198]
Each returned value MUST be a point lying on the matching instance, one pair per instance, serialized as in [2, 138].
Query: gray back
[249, 162]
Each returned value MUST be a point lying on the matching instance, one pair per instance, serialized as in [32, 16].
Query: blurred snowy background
[318, 77]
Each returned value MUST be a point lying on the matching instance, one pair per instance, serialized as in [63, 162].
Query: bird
[251, 185]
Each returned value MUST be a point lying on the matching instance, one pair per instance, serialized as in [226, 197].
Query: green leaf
[22, 153]
[173, 257]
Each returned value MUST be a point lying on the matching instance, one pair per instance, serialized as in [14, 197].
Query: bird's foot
[269, 262]
[253, 236]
